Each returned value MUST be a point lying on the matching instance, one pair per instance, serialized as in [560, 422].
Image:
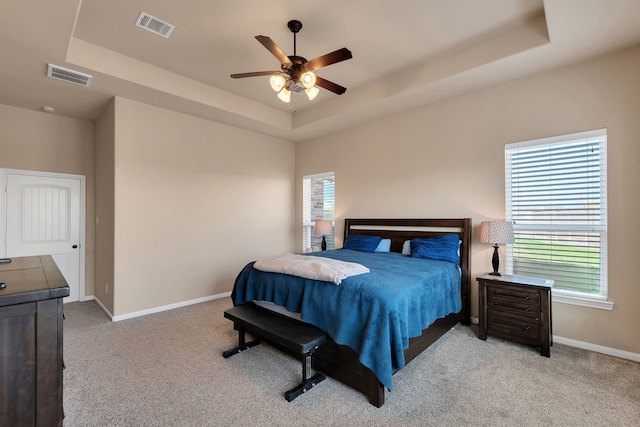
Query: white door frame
[3, 214]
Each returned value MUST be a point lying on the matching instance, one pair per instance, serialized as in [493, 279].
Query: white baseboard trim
[167, 307]
[598, 348]
[103, 308]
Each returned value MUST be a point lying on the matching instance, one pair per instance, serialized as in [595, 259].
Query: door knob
[75, 246]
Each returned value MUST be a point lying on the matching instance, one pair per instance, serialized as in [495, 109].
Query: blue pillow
[384, 246]
[444, 248]
[362, 243]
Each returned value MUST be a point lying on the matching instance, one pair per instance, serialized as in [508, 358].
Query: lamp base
[495, 261]
[323, 245]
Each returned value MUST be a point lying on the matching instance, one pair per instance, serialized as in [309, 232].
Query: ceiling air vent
[154, 25]
[71, 76]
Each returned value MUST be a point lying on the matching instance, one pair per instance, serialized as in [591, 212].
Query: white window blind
[318, 204]
[556, 196]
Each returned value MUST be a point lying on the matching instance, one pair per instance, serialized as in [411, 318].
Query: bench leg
[307, 381]
[242, 345]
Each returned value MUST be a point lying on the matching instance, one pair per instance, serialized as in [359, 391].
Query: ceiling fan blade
[275, 50]
[255, 73]
[328, 59]
[335, 88]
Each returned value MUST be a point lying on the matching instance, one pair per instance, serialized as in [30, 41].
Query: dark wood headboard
[401, 229]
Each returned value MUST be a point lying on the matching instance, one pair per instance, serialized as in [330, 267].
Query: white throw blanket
[310, 267]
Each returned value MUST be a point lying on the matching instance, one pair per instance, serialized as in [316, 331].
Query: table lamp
[323, 228]
[496, 233]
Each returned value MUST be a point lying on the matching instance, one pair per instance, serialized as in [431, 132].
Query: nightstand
[517, 308]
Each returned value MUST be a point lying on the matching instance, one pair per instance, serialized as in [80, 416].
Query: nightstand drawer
[522, 301]
[512, 326]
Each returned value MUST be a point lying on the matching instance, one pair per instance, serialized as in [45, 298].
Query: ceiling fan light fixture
[284, 95]
[296, 73]
[277, 82]
[312, 92]
[308, 79]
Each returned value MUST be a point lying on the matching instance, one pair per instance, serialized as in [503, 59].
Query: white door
[43, 218]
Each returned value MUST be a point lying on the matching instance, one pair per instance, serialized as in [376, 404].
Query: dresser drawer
[512, 326]
[516, 300]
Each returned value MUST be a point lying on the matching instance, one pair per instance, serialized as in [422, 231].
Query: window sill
[566, 298]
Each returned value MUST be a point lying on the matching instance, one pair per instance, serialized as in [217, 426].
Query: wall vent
[154, 25]
[67, 75]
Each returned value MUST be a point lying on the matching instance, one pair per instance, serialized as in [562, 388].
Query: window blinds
[318, 204]
[556, 197]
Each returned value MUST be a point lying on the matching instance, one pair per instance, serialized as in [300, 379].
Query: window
[318, 204]
[556, 196]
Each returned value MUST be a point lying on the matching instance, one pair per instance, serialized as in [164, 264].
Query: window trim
[574, 298]
[307, 221]
[566, 296]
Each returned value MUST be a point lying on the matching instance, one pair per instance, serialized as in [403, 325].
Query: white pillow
[406, 247]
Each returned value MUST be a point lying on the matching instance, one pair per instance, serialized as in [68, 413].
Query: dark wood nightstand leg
[482, 310]
[545, 324]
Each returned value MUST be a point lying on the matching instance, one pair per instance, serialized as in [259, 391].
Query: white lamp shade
[323, 228]
[284, 95]
[277, 82]
[496, 232]
[312, 92]
[308, 79]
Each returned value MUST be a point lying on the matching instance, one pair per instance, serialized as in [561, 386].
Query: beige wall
[447, 160]
[105, 190]
[194, 202]
[35, 141]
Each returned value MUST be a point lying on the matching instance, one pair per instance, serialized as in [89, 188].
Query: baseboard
[104, 308]
[167, 307]
[598, 348]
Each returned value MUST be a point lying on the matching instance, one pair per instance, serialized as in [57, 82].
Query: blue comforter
[374, 313]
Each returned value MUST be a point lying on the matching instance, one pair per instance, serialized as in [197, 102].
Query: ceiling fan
[296, 72]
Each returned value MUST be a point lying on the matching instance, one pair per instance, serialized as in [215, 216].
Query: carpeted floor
[166, 369]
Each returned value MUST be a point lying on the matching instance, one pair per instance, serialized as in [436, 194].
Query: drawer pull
[495, 292]
[527, 309]
[528, 297]
[495, 303]
[495, 320]
[527, 328]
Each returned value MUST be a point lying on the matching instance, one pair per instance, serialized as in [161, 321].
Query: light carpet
[166, 369]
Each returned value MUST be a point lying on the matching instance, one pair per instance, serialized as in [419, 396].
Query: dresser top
[521, 280]
[30, 279]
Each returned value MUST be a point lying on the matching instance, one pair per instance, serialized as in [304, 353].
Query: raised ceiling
[405, 54]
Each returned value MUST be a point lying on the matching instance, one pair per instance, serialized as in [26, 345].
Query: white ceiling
[406, 53]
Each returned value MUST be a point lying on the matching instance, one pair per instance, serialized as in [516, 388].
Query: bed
[383, 329]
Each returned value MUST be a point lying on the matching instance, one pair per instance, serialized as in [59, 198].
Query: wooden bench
[298, 338]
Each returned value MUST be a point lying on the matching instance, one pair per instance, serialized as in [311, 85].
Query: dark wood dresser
[31, 293]
[517, 308]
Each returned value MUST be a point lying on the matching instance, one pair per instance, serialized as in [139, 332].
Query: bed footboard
[341, 362]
